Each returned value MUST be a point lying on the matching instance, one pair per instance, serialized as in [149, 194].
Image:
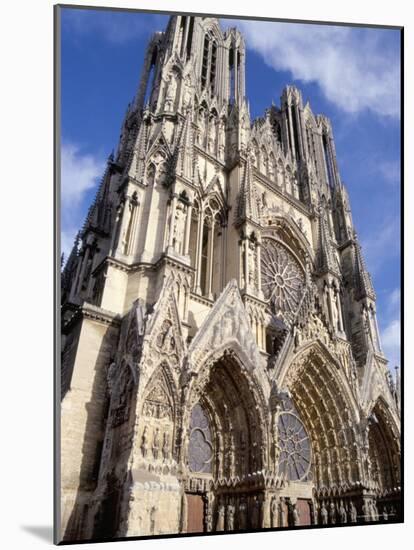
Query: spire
[136, 167]
[326, 258]
[97, 217]
[70, 265]
[364, 286]
[248, 207]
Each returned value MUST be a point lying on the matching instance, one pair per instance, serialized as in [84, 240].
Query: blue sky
[349, 74]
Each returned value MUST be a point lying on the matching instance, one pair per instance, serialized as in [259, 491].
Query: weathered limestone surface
[222, 367]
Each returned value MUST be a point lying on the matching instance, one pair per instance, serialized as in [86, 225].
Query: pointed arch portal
[226, 443]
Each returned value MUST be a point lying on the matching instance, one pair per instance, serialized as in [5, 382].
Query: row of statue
[332, 514]
[246, 512]
[159, 447]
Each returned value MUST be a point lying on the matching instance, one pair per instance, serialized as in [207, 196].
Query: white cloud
[356, 69]
[390, 336]
[80, 173]
[382, 244]
[391, 342]
[395, 298]
[390, 171]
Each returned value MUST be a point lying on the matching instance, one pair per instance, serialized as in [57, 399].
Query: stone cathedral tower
[221, 362]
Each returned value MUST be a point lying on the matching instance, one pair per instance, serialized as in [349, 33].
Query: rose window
[294, 448]
[282, 278]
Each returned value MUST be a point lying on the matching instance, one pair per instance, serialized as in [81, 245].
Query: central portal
[226, 450]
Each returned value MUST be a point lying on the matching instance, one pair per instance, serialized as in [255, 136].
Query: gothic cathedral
[221, 362]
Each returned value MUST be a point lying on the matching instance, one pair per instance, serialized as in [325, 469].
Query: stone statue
[366, 510]
[242, 514]
[166, 446]
[295, 515]
[212, 135]
[385, 513]
[274, 511]
[332, 514]
[353, 512]
[187, 92]
[144, 442]
[230, 517]
[324, 515]
[179, 227]
[156, 443]
[342, 513]
[201, 126]
[171, 93]
[220, 518]
[221, 140]
[255, 513]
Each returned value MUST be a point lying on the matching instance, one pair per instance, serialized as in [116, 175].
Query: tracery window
[294, 446]
[200, 448]
[283, 279]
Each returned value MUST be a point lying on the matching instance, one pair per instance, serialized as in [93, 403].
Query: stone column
[236, 84]
[339, 308]
[292, 137]
[246, 263]
[374, 316]
[173, 205]
[188, 229]
[199, 250]
[258, 270]
[210, 252]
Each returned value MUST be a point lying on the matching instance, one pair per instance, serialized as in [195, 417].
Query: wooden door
[303, 507]
[195, 514]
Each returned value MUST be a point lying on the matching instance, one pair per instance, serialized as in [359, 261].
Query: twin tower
[216, 301]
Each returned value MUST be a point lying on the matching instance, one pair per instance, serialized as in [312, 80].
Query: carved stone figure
[179, 227]
[230, 517]
[171, 93]
[242, 514]
[332, 513]
[156, 443]
[295, 515]
[220, 518]
[324, 514]
[353, 512]
[166, 446]
[342, 513]
[212, 135]
[187, 93]
[274, 512]
[144, 442]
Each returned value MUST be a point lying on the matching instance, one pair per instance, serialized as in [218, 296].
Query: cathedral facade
[221, 361]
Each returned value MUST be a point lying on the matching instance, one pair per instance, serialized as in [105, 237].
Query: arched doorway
[226, 451]
[383, 463]
[323, 400]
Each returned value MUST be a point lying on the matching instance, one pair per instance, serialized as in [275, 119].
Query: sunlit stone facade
[221, 361]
